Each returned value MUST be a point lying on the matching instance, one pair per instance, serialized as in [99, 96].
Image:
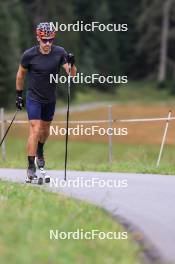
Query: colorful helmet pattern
[45, 30]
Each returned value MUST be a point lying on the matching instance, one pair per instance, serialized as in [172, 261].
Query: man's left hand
[71, 59]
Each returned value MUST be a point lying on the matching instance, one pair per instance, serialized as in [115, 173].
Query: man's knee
[45, 128]
[35, 128]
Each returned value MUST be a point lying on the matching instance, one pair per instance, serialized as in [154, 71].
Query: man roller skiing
[39, 62]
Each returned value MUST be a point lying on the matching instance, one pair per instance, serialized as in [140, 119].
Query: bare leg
[34, 133]
[44, 131]
[34, 130]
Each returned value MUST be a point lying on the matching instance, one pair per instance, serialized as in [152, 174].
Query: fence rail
[109, 121]
[99, 121]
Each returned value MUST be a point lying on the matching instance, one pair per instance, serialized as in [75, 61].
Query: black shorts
[40, 111]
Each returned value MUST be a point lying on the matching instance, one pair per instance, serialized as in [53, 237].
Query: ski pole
[2, 140]
[67, 123]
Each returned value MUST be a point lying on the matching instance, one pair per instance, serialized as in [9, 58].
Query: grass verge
[28, 213]
[94, 156]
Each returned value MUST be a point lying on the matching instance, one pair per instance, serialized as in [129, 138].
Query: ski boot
[31, 174]
[40, 162]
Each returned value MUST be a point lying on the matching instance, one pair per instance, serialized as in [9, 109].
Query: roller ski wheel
[28, 180]
[40, 181]
[45, 177]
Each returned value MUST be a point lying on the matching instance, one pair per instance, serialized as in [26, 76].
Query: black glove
[71, 59]
[19, 100]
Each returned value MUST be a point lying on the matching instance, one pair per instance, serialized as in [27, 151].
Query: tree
[98, 50]
[127, 12]
[12, 27]
[6, 58]
[162, 73]
[155, 27]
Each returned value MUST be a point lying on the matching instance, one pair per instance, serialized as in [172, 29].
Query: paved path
[147, 201]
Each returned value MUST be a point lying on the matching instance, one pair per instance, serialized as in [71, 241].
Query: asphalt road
[144, 200]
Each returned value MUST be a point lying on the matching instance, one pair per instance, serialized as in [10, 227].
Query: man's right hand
[19, 100]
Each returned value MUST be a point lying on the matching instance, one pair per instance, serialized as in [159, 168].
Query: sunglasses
[47, 40]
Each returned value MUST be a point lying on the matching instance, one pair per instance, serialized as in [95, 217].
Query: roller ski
[40, 163]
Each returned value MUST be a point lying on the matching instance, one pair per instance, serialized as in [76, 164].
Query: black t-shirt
[39, 67]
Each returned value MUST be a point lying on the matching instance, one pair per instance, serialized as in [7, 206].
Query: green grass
[28, 213]
[144, 92]
[94, 156]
